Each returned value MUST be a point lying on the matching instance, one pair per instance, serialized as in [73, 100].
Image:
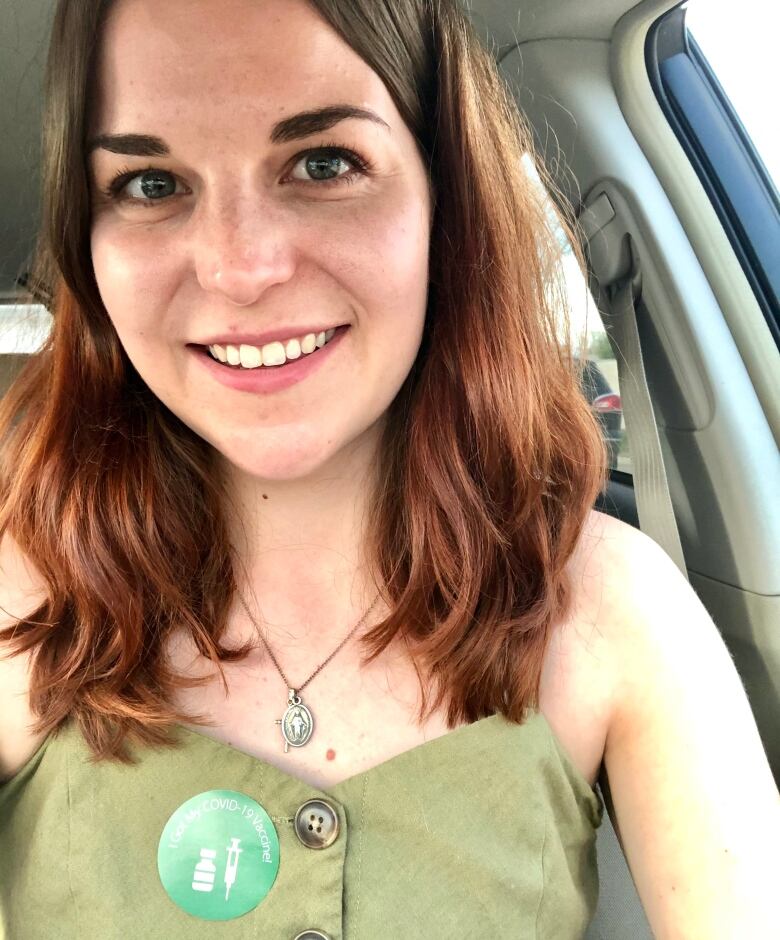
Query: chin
[266, 455]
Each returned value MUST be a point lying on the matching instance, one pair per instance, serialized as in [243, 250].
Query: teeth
[272, 354]
[250, 356]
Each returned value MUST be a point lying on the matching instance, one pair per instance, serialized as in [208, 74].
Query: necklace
[297, 723]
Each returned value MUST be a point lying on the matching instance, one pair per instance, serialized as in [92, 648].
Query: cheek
[399, 285]
[386, 273]
[134, 279]
[378, 250]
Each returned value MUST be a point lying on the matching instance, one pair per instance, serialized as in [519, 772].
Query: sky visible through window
[739, 40]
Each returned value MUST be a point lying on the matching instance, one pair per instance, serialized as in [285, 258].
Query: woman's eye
[322, 166]
[328, 165]
[145, 187]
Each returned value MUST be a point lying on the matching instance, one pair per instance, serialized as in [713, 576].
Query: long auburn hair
[490, 462]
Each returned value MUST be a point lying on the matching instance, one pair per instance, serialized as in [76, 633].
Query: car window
[600, 382]
[714, 75]
[744, 59]
[23, 328]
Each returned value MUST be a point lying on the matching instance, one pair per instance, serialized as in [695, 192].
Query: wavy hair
[489, 465]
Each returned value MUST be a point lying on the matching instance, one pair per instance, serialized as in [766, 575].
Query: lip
[270, 336]
[267, 379]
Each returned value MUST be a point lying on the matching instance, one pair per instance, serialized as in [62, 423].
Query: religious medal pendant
[297, 723]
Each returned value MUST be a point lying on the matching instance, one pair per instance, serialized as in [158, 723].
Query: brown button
[317, 826]
[312, 935]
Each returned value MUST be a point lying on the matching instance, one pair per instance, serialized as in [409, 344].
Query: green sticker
[218, 855]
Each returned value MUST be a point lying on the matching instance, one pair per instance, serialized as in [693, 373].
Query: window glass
[740, 44]
[23, 328]
[600, 384]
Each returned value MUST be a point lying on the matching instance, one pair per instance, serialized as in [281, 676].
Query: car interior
[633, 131]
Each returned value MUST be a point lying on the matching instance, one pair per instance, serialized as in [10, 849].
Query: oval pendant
[297, 723]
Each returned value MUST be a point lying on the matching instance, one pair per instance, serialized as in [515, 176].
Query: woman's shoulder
[626, 581]
[631, 606]
[613, 570]
[629, 596]
[22, 589]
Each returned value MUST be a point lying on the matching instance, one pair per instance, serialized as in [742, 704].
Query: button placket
[318, 822]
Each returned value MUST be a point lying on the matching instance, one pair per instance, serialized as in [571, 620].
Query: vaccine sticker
[218, 855]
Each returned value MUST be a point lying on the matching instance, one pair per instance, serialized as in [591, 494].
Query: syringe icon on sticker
[232, 865]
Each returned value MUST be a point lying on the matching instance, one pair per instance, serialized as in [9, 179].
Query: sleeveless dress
[486, 832]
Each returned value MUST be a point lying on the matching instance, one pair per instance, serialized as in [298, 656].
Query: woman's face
[245, 220]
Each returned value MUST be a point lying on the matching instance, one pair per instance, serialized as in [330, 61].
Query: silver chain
[300, 688]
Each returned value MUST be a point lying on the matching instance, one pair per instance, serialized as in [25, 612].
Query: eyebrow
[292, 128]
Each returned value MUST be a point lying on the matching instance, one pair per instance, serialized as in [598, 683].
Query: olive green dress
[485, 832]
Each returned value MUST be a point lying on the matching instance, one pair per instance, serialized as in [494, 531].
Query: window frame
[743, 194]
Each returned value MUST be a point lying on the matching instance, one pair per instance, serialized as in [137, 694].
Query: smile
[272, 354]
[268, 379]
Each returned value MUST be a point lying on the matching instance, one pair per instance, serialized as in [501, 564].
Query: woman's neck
[299, 551]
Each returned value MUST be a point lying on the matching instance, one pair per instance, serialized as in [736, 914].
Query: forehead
[252, 58]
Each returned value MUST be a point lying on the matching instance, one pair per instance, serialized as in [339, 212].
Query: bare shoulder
[643, 603]
[21, 591]
[581, 676]
[619, 577]
[636, 608]
[691, 793]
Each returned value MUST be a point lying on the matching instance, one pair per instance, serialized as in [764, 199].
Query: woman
[304, 419]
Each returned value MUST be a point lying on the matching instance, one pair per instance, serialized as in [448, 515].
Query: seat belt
[619, 301]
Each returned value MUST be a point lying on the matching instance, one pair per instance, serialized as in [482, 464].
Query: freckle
[330, 754]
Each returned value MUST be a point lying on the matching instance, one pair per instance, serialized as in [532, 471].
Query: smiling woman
[304, 385]
[243, 231]
[292, 391]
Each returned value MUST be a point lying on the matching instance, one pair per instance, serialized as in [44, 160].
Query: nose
[242, 247]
